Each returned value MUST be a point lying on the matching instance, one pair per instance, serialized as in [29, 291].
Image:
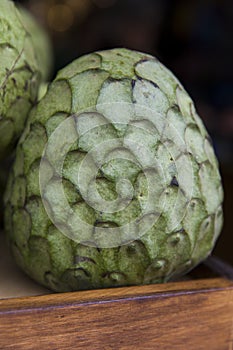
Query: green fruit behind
[41, 43]
[21, 71]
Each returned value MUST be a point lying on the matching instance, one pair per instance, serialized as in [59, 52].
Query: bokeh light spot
[60, 17]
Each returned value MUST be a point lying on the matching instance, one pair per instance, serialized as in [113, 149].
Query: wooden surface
[180, 315]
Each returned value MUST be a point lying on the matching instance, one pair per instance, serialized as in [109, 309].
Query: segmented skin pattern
[189, 221]
[20, 75]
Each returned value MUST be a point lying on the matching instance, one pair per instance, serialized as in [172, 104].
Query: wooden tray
[196, 313]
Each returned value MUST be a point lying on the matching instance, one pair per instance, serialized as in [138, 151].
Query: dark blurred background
[193, 38]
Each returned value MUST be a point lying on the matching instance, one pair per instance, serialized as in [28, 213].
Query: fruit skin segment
[149, 199]
[22, 67]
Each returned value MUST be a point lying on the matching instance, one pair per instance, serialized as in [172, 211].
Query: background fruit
[41, 43]
[22, 67]
[141, 197]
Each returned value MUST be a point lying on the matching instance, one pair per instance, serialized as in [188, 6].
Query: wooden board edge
[198, 318]
[111, 294]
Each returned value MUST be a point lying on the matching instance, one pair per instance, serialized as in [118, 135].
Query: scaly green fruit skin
[21, 71]
[137, 159]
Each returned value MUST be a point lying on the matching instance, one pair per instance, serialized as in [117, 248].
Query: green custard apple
[115, 180]
[24, 62]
